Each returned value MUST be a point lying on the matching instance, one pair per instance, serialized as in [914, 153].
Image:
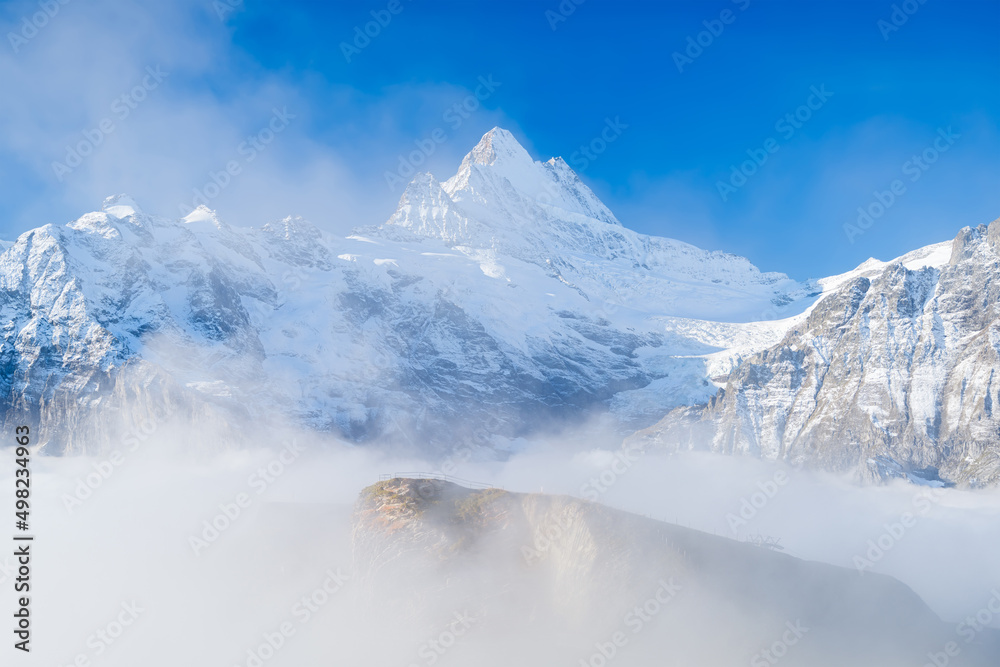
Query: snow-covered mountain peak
[293, 227]
[497, 156]
[541, 213]
[500, 192]
[969, 241]
[499, 176]
[121, 206]
[204, 217]
[498, 146]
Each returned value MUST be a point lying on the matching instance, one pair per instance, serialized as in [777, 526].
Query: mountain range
[503, 300]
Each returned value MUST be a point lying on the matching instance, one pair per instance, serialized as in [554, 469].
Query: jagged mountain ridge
[893, 374]
[504, 297]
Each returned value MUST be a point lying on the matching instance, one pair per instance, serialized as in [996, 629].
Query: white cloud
[328, 165]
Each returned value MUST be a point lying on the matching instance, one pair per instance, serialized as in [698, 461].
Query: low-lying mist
[159, 554]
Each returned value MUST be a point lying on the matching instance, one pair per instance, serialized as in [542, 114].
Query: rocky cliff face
[554, 575]
[896, 373]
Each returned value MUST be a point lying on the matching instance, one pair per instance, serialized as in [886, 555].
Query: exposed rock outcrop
[555, 571]
[896, 373]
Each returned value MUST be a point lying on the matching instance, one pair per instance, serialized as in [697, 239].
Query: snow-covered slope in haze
[892, 373]
[500, 300]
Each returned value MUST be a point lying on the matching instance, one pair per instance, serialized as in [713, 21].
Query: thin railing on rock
[438, 476]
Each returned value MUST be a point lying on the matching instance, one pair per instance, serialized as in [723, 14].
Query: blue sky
[226, 71]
